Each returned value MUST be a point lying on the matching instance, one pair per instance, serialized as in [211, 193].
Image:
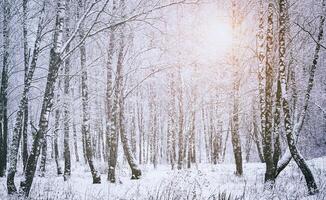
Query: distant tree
[172, 126]
[235, 137]
[180, 120]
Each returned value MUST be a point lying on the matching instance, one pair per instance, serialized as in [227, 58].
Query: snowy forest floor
[201, 182]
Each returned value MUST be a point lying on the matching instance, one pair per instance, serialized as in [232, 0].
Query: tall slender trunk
[286, 158]
[256, 137]
[248, 146]
[20, 113]
[55, 132]
[180, 121]
[114, 133]
[268, 103]
[136, 172]
[212, 136]
[291, 132]
[4, 87]
[26, 183]
[220, 141]
[75, 140]
[133, 133]
[85, 105]
[261, 75]
[66, 91]
[140, 120]
[84, 147]
[226, 139]
[43, 156]
[205, 133]
[86, 118]
[26, 66]
[111, 107]
[191, 145]
[25, 136]
[277, 125]
[235, 137]
[55, 135]
[153, 125]
[104, 152]
[57, 127]
[192, 139]
[172, 122]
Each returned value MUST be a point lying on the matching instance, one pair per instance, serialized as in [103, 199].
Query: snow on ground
[201, 182]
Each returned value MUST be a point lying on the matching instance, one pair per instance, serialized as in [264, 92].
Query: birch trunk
[85, 105]
[111, 137]
[268, 103]
[43, 156]
[20, 113]
[291, 132]
[26, 66]
[26, 183]
[55, 135]
[261, 76]
[66, 111]
[75, 140]
[180, 118]
[4, 87]
[136, 172]
[286, 158]
[172, 123]
[256, 137]
[235, 137]
[140, 120]
[153, 125]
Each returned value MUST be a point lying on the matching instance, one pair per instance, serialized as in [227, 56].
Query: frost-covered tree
[292, 131]
[131, 88]
[6, 8]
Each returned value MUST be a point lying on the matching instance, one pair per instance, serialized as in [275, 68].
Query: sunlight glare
[218, 34]
[216, 38]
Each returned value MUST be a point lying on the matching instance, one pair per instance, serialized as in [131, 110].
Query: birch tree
[66, 112]
[172, 126]
[268, 142]
[26, 68]
[111, 138]
[180, 120]
[236, 143]
[16, 135]
[291, 131]
[85, 102]
[135, 170]
[26, 183]
[4, 86]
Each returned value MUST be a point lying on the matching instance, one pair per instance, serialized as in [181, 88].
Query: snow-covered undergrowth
[200, 182]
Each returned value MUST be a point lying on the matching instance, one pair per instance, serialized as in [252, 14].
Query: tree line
[98, 79]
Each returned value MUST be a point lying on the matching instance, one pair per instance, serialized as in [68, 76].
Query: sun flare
[215, 38]
[218, 34]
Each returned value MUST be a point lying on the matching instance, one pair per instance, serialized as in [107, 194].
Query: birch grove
[123, 94]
